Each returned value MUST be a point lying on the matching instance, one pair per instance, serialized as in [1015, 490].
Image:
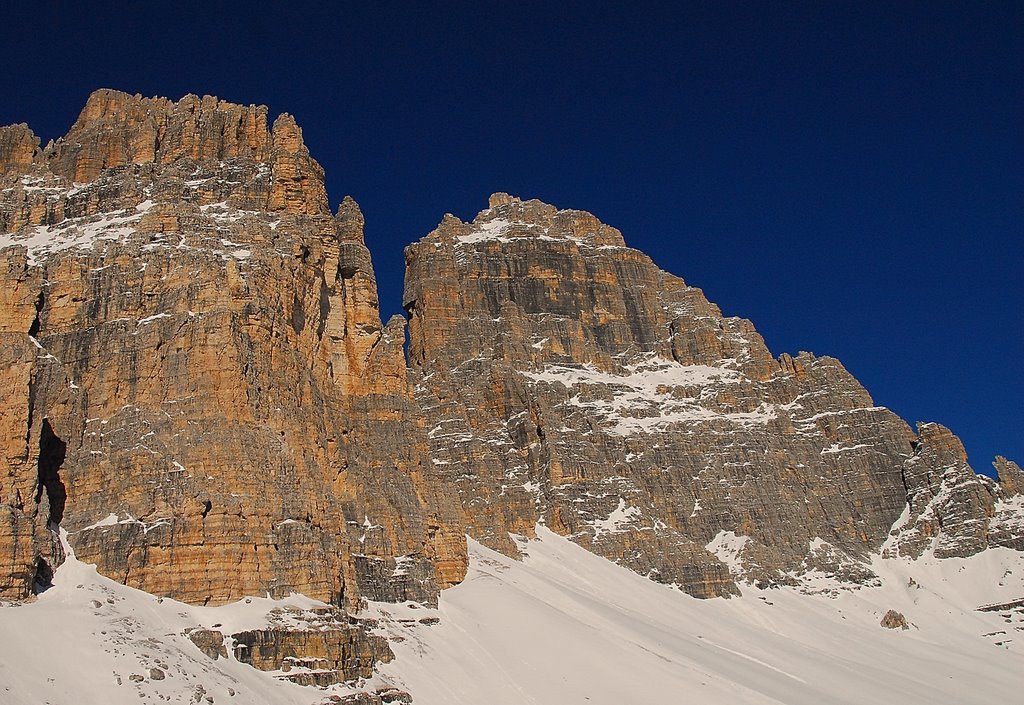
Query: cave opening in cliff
[52, 452]
[42, 580]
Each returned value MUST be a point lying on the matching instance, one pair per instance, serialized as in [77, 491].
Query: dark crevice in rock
[405, 344]
[42, 580]
[52, 452]
[40, 302]
[325, 309]
[298, 314]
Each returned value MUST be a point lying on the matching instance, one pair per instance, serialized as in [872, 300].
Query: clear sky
[848, 175]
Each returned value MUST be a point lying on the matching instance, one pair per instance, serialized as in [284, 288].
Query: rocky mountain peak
[125, 150]
[940, 444]
[116, 129]
[298, 180]
[616, 405]
[511, 217]
[349, 220]
[500, 198]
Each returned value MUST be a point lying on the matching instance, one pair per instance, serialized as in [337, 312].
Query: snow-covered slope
[89, 640]
[566, 626]
[562, 626]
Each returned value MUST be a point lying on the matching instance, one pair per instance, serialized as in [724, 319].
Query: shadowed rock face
[570, 381]
[192, 361]
[203, 336]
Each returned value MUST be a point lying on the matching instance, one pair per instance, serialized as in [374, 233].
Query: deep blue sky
[848, 175]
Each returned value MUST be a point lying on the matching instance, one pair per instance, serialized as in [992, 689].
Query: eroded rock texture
[32, 492]
[202, 335]
[197, 386]
[570, 381]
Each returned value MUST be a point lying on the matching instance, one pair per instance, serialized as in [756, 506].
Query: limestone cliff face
[29, 453]
[196, 384]
[572, 382]
[196, 329]
[198, 150]
[18, 148]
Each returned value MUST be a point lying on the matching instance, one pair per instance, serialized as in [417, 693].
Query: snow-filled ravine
[562, 626]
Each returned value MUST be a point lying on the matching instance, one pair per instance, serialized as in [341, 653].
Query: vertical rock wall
[243, 423]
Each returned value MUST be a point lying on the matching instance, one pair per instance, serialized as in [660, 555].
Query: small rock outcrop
[318, 647]
[894, 620]
[318, 657]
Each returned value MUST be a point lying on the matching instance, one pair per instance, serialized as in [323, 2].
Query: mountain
[200, 393]
[200, 331]
[590, 391]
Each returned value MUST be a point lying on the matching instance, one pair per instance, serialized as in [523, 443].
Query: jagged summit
[142, 168]
[115, 129]
[1010, 475]
[202, 151]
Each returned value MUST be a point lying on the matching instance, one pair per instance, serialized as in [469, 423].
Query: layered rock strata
[197, 385]
[202, 338]
[31, 493]
[319, 647]
[570, 381]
